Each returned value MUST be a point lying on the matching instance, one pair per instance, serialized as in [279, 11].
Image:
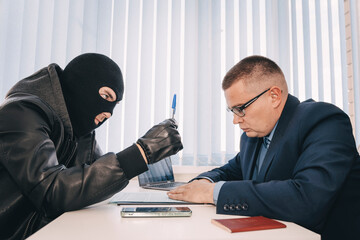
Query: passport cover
[247, 224]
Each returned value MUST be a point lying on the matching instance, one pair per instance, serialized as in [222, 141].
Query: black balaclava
[80, 82]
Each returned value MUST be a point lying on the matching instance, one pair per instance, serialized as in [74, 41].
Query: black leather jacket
[44, 170]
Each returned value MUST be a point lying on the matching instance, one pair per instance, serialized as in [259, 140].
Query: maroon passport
[247, 224]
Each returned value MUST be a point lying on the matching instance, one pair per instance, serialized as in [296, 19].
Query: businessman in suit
[297, 162]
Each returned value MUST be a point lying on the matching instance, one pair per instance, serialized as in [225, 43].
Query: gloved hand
[162, 140]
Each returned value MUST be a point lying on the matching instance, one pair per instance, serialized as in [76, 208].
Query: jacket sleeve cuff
[131, 161]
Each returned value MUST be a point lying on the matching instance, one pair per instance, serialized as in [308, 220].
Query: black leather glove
[162, 140]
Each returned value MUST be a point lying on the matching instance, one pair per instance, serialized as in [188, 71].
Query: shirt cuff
[216, 192]
[207, 178]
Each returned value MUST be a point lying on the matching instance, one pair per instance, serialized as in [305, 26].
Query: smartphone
[155, 212]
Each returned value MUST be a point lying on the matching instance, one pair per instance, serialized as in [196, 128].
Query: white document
[138, 198]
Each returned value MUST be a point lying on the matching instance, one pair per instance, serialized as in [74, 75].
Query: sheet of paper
[156, 197]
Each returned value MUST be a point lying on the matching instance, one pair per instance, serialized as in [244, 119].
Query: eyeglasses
[239, 110]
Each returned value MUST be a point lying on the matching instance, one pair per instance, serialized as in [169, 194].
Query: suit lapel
[253, 157]
[267, 161]
[275, 144]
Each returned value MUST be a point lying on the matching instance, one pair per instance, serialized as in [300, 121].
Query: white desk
[103, 221]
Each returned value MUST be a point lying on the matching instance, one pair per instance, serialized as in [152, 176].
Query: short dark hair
[248, 67]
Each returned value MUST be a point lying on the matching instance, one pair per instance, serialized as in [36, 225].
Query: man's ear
[276, 96]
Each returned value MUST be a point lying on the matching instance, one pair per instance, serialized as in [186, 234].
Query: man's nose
[105, 115]
[237, 119]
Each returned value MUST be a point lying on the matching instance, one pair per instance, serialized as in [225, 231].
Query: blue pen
[173, 105]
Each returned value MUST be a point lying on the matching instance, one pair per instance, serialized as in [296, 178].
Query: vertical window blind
[185, 47]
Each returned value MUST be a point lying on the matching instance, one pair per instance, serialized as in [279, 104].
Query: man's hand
[161, 141]
[198, 191]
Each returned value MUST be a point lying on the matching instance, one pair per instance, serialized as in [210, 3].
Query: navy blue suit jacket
[310, 174]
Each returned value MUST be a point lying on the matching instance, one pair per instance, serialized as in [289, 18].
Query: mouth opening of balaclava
[80, 82]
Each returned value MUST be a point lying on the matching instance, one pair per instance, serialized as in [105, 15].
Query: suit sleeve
[229, 172]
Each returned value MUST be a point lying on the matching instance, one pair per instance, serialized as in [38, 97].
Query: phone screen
[160, 209]
[156, 212]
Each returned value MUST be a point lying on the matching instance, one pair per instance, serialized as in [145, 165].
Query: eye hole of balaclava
[80, 82]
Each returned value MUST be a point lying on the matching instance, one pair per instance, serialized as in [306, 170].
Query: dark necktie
[262, 152]
[266, 142]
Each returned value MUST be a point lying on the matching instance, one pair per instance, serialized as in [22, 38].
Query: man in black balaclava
[81, 81]
[50, 162]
